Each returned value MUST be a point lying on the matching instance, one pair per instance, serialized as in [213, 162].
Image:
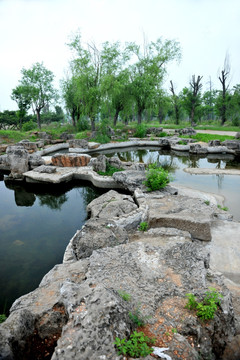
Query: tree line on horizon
[124, 83]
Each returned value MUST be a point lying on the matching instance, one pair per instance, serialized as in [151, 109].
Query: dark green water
[36, 225]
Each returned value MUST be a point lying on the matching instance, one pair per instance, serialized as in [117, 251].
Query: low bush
[156, 177]
[137, 346]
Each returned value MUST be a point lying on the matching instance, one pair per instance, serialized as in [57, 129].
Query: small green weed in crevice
[137, 317]
[182, 142]
[143, 226]
[2, 318]
[138, 345]
[124, 295]
[110, 170]
[224, 208]
[207, 308]
[207, 202]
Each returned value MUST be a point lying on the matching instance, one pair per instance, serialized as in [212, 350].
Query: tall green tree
[191, 98]
[22, 97]
[38, 83]
[148, 70]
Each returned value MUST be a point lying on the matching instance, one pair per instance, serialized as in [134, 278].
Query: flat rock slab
[203, 171]
[184, 213]
[225, 249]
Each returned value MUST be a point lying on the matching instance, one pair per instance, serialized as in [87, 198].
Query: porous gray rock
[130, 179]
[4, 163]
[111, 205]
[214, 143]
[78, 143]
[164, 143]
[34, 161]
[231, 144]
[45, 169]
[198, 149]
[97, 234]
[99, 163]
[155, 130]
[232, 351]
[65, 136]
[237, 136]
[17, 158]
[28, 145]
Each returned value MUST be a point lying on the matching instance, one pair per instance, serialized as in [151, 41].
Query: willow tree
[149, 68]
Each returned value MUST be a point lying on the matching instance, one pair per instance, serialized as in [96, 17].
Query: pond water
[225, 185]
[36, 224]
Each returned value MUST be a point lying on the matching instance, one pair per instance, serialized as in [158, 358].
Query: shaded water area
[36, 224]
[225, 185]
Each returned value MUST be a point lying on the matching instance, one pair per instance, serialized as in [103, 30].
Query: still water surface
[36, 223]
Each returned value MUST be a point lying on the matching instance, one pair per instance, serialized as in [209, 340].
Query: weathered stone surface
[130, 179]
[164, 143]
[70, 160]
[17, 158]
[180, 147]
[97, 234]
[154, 130]
[237, 136]
[186, 131]
[4, 163]
[99, 163]
[45, 169]
[34, 161]
[93, 145]
[231, 144]
[111, 205]
[214, 143]
[28, 145]
[218, 149]
[78, 143]
[232, 351]
[65, 136]
[54, 148]
[43, 135]
[3, 148]
[187, 214]
[198, 149]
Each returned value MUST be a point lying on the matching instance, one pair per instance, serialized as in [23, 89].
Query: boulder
[78, 143]
[155, 130]
[186, 131]
[17, 158]
[45, 169]
[214, 143]
[70, 160]
[4, 163]
[34, 161]
[111, 205]
[93, 145]
[218, 149]
[96, 234]
[65, 136]
[231, 144]
[28, 145]
[130, 179]
[237, 136]
[198, 149]
[164, 143]
[99, 163]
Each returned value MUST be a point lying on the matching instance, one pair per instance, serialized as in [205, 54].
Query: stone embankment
[78, 309]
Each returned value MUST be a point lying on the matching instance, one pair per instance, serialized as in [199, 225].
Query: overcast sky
[38, 30]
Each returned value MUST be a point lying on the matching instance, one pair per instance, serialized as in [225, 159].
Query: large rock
[99, 163]
[231, 144]
[111, 205]
[96, 234]
[130, 179]
[198, 149]
[65, 136]
[28, 145]
[78, 143]
[155, 130]
[17, 158]
[34, 161]
[70, 160]
[4, 162]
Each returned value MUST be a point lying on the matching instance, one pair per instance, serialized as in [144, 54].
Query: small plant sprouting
[143, 226]
[208, 307]
[224, 208]
[137, 317]
[174, 330]
[207, 202]
[125, 296]
[137, 346]
[2, 318]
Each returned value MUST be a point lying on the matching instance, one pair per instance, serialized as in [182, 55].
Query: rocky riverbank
[79, 309]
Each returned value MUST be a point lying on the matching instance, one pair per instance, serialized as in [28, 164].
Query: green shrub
[162, 134]
[110, 170]
[141, 131]
[156, 177]
[208, 307]
[137, 346]
[30, 125]
[143, 226]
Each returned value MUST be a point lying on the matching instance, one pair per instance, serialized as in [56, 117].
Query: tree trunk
[115, 117]
[38, 118]
[73, 118]
[92, 124]
[192, 115]
[139, 117]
